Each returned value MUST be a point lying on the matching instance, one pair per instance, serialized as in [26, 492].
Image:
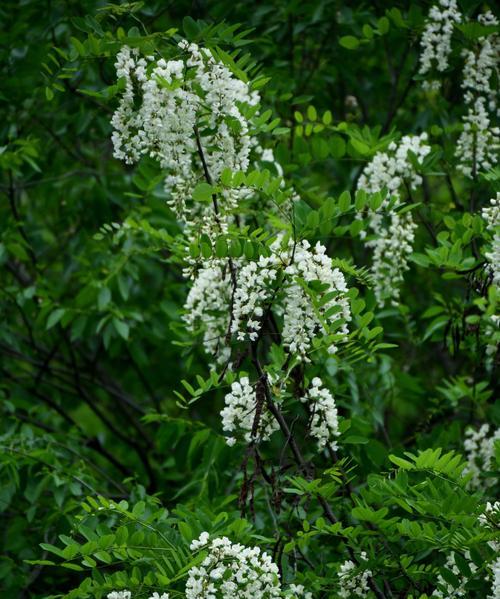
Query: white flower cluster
[491, 215]
[298, 263]
[207, 303]
[480, 451]
[240, 412]
[210, 301]
[128, 595]
[171, 109]
[452, 591]
[353, 581]
[300, 321]
[393, 233]
[324, 416]
[436, 38]
[297, 591]
[495, 579]
[232, 571]
[490, 518]
[253, 290]
[479, 142]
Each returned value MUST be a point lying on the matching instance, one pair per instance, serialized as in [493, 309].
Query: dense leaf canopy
[249, 287]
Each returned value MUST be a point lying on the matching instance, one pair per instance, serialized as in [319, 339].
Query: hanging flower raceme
[207, 304]
[353, 579]
[188, 115]
[393, 233]
[274, 285]
[479, 448]
[436, 39]
[490, 519]
[232, 571]
[324, 424]
[479, 143]
[495, 579]
[245, 411]
[491, 215]
[445, 589]
[282, 280]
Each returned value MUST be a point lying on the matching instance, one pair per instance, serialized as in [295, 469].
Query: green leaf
[327, 117]
[349, 41]
[401, 462]
[221, 248]
[55, 317]
[191, 28]
[104, 298]
[337, 146]
[203, 192]
[355, 440]
[121, 327]
[345, 201]
[383, 25]
[312, 115]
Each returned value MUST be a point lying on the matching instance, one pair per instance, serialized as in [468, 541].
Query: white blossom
[232, 571]
[207, 304]
[436, 38]
[393, 233]
[353, 579]
[253, 290]
[491, 215]
[479, 447]
[119, 595]
[297, 591]
[479, 142]
[185, 107]
[156, 595]
[495, 579]
[324, 418]
[490, 519]
[274, 282]
[298, 263]
[240, 412]
[300, 322]
[450, 590]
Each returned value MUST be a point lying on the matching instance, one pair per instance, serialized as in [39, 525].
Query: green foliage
[112, 456]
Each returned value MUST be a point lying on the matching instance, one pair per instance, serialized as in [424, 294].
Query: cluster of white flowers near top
[183, 105]
[353, 580]
[324, 425]
[491, 214]
[479, 447]
[393, 233]
[479, 142]
[232, 571]
[436, 39]
[240, 412]
[449, 589]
